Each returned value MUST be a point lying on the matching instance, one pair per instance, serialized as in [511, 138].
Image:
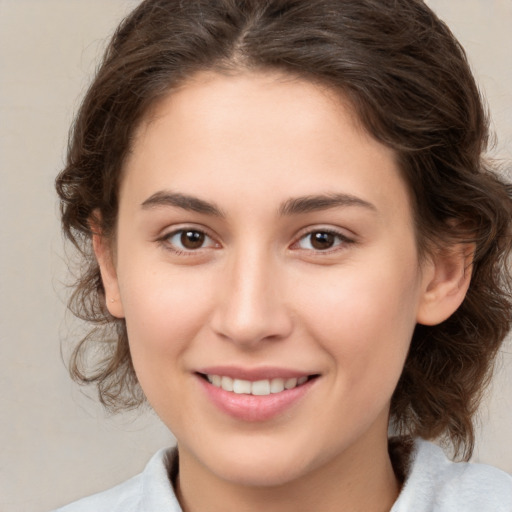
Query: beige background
[56, 444]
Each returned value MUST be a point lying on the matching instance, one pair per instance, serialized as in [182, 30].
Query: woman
[293, 243]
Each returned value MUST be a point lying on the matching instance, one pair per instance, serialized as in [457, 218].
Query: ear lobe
[103, 252]
[446, 282]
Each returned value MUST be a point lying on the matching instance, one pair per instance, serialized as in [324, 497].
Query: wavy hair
[410, 84]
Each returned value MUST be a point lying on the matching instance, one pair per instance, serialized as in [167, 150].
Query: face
[266, 265]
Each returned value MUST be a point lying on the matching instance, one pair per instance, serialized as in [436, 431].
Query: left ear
[446, 279]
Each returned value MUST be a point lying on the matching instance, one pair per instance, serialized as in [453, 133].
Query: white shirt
[434, 484]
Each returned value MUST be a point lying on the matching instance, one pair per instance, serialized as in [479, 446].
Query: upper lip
[254, 374]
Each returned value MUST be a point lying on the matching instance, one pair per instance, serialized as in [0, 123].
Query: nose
[250, 304]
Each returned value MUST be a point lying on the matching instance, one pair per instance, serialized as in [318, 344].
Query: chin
[260, 464]
[269, 473]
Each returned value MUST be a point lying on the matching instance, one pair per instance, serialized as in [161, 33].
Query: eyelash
[165, 241]
[341, 240]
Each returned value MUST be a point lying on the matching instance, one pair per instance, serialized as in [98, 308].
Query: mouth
[256, 394]
[261, 387]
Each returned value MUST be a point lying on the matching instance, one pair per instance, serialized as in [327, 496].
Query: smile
[255, 395]
[258, 388]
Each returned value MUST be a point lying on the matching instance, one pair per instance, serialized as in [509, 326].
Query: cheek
[164, 313]
[365, 320]
[164, 310]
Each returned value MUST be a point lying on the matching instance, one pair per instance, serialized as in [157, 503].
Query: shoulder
[150, 490]
[125, 496]
[436, 484]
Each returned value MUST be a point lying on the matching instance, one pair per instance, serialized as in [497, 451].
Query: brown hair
[411, 86]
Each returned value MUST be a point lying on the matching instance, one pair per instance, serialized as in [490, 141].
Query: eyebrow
[186, 202]
[308, 204]
[292, 206]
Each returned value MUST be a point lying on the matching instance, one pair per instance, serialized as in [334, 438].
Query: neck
[359, 481]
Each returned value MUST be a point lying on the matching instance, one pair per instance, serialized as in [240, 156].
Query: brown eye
[187, 240]
[192, 239]
[321, 240]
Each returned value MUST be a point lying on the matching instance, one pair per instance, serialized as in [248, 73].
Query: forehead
[264, 133]
[215, 101]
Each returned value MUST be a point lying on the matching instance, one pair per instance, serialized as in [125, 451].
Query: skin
[257, 292]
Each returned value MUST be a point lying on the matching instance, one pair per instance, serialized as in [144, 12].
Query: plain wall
[57, 444]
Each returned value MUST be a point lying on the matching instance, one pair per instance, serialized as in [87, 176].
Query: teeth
[241, 386]
[276, 385]
[290, 383]
[226, 383]
[259, 387]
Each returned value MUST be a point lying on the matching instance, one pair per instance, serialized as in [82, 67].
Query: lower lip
[255, 408]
